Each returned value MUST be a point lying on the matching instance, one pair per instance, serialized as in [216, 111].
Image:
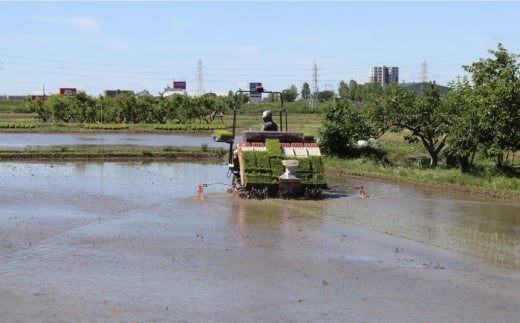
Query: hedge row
[177, 126]
[107, 126]
[16, 125]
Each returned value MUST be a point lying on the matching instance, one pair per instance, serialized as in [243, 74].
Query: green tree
[290, 94]
[62, 108]
[462, 141]
[124, 105]
[342, 126]
[306, 92]
[160, 111]
[177, 108]
[37, 106]
[205, 107]
[85, 105]
[353, 90]
[343, 91]
[104, 110]
[424, 115]
[143, 109]
[326, 95]
[373, 90]
[496, 87]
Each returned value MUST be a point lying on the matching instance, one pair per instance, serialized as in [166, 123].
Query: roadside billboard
[179, 85]
[68, 91]
[254, 95]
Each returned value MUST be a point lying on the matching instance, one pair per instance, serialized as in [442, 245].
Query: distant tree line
[353, 91]
[128, 108]
[480, 113]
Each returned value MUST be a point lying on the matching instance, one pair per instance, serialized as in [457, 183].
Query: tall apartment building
[383, 75]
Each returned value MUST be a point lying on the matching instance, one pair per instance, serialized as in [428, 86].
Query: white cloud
[85, 23]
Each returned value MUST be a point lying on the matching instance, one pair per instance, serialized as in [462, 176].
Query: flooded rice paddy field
[39, 140]
[132, 242]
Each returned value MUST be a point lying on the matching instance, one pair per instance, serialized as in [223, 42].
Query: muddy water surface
[132, 242]
[486, 229]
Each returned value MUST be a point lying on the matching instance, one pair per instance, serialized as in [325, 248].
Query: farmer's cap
[267, 114]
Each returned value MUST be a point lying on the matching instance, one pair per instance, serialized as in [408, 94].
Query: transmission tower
[200, 80]
[314, 102]
[424, 72]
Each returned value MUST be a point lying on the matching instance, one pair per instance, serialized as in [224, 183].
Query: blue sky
[99, 45]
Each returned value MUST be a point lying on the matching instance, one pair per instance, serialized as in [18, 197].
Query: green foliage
[342, 126]
[129, 109]
[148, 153]
[181, 126]
[13, 106]
[485, 112]
[16, 125]
[222, 135]
[37, 106]
[424, 114]
[292, 108]
[306, 91]
[307, 137]
[477, 116]
[462, 140]
[290, 94]
[327, 95]
[106, 126]
[359, 93]
[497, 100]
[171, 148]
[494, 179]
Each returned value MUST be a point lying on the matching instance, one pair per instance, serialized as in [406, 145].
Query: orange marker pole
[362, 191]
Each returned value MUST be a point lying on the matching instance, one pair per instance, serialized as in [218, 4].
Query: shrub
[222, 135]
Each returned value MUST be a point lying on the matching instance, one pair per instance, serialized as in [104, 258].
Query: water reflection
[489, 230]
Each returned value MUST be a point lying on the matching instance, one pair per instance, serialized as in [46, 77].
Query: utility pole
[424, 72]
[200, 81]
[315, 95]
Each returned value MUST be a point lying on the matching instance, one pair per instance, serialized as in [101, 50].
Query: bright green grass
[485, 179]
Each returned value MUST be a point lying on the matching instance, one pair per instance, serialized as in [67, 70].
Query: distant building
[11, 97]
[418, 87]
[116, 92]
[169, 91]
[383, 74]
[143, 93]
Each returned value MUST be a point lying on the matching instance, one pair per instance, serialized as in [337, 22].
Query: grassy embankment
[401, 158]
[404, 163]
